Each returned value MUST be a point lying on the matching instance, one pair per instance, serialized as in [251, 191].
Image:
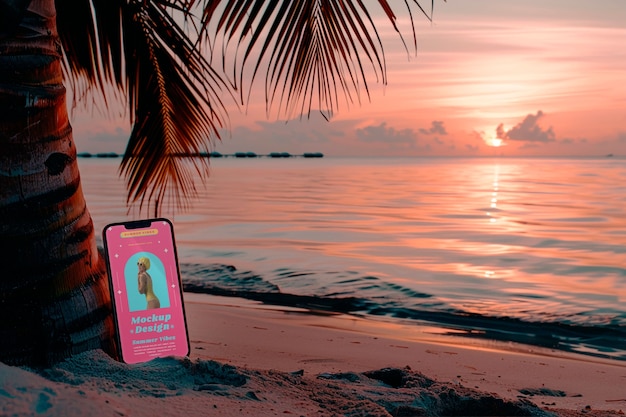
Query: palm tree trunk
[54, 296]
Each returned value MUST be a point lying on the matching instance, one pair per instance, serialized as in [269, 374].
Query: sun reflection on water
[491, 215]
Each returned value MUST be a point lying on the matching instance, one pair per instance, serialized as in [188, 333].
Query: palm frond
[175, 113]
[173, 93]
[312, 51]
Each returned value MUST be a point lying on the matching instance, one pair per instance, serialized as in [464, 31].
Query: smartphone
[146, 290]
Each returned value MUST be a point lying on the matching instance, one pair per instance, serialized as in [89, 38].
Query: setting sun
[495, 142]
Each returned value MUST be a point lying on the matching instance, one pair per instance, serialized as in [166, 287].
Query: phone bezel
[142, 224]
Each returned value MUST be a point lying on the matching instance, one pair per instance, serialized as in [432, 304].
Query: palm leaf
[174, 117]
[92, 50]
[173, 93]
[312, 51]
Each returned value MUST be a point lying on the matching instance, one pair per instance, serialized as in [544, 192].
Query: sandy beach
[253, 359]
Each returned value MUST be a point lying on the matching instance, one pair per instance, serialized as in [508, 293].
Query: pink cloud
[528, 130]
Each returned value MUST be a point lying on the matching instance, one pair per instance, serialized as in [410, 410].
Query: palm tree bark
[54, 295]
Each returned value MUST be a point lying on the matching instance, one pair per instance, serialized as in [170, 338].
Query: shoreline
[472, 328]
[249, 358]
[252, 335]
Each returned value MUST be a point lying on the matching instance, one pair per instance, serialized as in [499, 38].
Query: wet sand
[253, 359]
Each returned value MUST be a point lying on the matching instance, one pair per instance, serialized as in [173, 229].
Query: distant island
[215, 155]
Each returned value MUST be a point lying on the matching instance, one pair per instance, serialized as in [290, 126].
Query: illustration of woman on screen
[144, 283]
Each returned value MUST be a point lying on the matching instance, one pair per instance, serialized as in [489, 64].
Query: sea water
[527, 250]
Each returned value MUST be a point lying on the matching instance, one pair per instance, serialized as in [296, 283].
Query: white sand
[249, 359]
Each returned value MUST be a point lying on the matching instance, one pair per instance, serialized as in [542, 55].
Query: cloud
[500, 132]
[390, 135]
[295, 136]
[104, 136]
[341, 137]
[353, 137]
[573, 141]
[101, 138]
[436, 127]
[528, 130]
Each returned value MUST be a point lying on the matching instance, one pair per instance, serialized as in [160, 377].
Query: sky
[489, 77]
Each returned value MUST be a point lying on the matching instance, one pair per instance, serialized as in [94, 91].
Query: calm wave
[529, 250]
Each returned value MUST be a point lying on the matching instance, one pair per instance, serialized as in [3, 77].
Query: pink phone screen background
[146, 291]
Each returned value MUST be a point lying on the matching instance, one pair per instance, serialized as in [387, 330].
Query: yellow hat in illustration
[144, 261]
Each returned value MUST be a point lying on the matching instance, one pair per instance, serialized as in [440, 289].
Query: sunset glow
[495, 142]
[541, 78]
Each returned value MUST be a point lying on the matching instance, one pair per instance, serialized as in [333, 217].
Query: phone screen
[146, 290]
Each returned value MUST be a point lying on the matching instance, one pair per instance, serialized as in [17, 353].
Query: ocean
[528, 250]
